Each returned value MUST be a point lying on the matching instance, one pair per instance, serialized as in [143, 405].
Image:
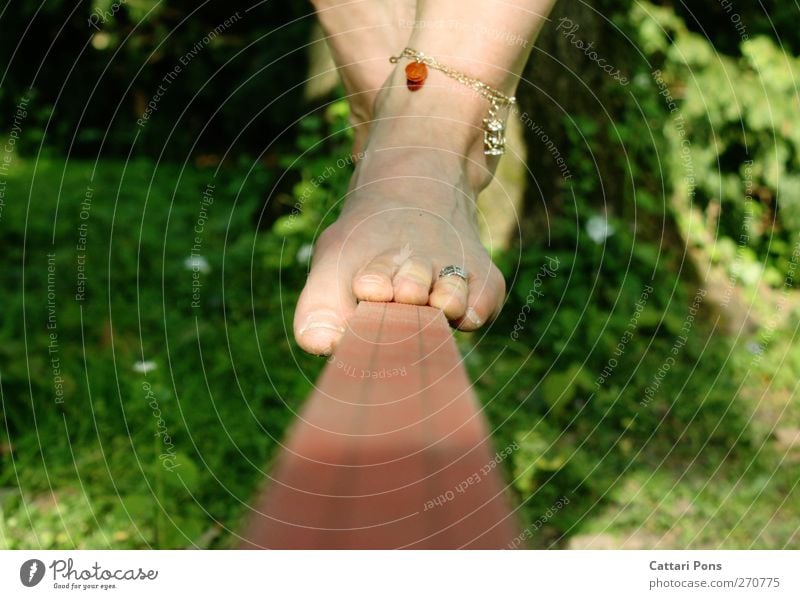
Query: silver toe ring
[453, 271]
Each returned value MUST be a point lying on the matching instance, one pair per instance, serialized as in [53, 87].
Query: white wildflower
[144, 367]
[599, 229]
[197, 263]
[304, 253]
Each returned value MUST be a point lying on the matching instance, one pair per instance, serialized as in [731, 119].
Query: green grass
[87, 472]
[702, 467]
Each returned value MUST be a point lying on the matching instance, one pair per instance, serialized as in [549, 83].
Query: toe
[324, 307]
[374, 281]
[450, 296]
[484, 302]
[412, 283]
[319, 331]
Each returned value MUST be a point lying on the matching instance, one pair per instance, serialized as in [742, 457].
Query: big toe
[323, 308]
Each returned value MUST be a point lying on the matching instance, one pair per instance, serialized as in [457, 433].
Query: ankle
[444, 116]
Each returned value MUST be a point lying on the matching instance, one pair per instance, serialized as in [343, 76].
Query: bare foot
[410, 212]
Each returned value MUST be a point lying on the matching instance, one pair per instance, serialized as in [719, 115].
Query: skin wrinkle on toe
[372, 279]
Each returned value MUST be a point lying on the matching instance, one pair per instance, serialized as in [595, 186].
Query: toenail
[417, 282]
[313, 323]
[473, 317]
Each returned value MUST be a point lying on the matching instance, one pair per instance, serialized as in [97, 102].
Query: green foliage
[620, 368]
[226, 376]
[323, 165]
[734, 141]
[225, 379]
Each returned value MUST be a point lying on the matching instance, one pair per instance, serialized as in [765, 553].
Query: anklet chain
[494, 138]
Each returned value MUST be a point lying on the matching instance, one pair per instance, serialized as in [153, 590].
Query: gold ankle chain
[494, 136]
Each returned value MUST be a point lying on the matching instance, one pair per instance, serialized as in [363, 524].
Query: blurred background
[166, 166]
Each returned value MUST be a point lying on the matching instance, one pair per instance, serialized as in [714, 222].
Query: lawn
[148, 372]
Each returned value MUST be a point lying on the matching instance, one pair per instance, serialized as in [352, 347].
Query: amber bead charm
[416, 73]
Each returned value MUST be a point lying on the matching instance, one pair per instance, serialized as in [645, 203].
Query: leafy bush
[734, 142]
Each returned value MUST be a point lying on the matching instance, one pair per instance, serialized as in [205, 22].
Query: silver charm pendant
[494, 137]
[494, 132]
